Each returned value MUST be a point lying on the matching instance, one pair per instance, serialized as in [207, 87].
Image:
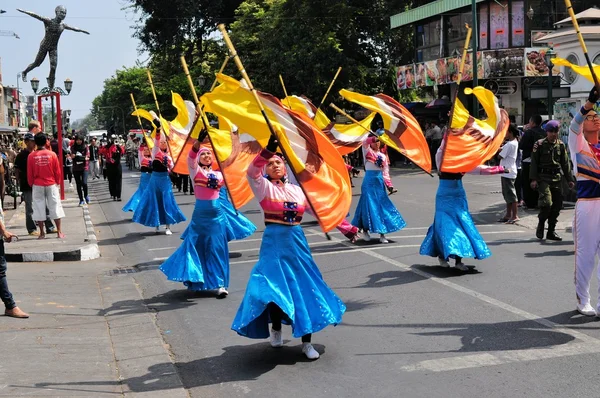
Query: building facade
[510, 52]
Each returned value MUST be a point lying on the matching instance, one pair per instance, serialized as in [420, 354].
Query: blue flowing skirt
[453, 232]
[287, 276]
[132, 204]
[375, 211]
[157, 205]
[202, 260]
[237, 225]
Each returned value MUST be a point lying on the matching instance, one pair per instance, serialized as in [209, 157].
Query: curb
[87, 252]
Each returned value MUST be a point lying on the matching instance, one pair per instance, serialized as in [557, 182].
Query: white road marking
[589, 345]
[154, 249]
[159, 258]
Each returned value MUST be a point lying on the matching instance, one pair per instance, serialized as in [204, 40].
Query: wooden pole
[582, 43]
[159, 114]
[202, 117]
[353, 120]
[285, 92]
[329, 89]
[242, 71]
[455, 97]
[148, 141]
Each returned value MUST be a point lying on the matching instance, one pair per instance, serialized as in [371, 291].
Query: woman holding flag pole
[202, 261]
[158, 206]
[285, 285]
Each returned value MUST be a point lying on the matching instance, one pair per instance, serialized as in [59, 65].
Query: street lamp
[201, 81]
[35, 85]
[549, 56]
[530, 13]
[68, 85]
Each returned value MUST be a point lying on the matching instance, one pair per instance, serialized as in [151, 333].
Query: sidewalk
[79, 244]
[90, 333]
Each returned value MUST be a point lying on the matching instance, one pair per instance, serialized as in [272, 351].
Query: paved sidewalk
[90, 333]
[78, 245]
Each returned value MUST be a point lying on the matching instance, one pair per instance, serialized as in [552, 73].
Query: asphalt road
[412, 328]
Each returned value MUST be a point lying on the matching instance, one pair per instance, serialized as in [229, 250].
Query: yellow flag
[580, 70]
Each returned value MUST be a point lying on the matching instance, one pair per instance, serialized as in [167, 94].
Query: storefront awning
[427, 11]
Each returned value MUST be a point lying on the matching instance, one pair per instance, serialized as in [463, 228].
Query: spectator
[112, 154]
[43, 174]
[508, 155]
[434, 135]
[80, 157]
[533, 133]
[94, 158]
[68, 167]
[54, 144]
[21, 174]
[9, 303]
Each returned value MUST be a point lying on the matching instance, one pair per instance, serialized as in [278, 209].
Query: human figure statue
[49, 45]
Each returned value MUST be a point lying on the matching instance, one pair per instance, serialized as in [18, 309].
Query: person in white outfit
[585, 154]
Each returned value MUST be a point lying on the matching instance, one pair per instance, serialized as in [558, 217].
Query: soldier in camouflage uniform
[548, 158]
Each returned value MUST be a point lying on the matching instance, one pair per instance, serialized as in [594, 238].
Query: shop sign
[501, 87]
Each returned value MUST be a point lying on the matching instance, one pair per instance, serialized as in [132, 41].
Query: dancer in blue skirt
[453, 233]
[285, 285]
[158, 206]
[202, 260]
[375, 211]
[145, 158]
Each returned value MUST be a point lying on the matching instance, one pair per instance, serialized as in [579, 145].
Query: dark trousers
[550, 203]
[115, 177]
[530, 197]
[183, 181]
[29, 223]
[277, 315]
[68, 173]
[435, 145]
[81, 182]
[5, 294]
[519, 184]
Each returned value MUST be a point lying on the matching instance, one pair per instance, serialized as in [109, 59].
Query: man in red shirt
[44, 175]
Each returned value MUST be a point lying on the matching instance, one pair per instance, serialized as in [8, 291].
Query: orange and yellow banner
[319, 167]
[470, 141]
[402, 131]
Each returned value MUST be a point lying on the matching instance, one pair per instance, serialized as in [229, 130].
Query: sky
[88, 60]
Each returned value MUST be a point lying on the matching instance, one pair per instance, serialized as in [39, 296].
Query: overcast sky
[86, 59]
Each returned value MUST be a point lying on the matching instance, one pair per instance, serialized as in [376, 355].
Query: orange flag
[470, 142]
[402, 131]
[319, 167]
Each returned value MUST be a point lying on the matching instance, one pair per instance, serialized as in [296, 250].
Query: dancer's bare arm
[34, 15]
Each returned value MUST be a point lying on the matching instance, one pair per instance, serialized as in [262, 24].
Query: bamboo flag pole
[220, 71]
[148, 141]
[329, 89]
[582, 42]
[353, 120]
[285, 91]
[458, 80]
[202, 115]
[242, 71]
[158, 109]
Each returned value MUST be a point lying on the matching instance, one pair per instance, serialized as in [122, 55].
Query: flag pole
[148, 141]
[285, 92]
[202, 117]
[242, 71]
[329, 89]
[455, 97]
[353, 120]
[158, 109]
[582, 42]
[212, 87]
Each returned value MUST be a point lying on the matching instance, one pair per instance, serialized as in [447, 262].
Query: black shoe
[539, 233]
[114, 198]
[551, 235]
[118, 199]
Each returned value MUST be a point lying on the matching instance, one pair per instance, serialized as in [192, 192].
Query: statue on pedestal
[49, 45]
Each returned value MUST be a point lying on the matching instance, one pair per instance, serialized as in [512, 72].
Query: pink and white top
[145, 161]
[207, 182]
[376, 161]
[282, 202]
[161, 161]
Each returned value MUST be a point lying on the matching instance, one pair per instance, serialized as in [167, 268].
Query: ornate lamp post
[54, 92]
[550, 55]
